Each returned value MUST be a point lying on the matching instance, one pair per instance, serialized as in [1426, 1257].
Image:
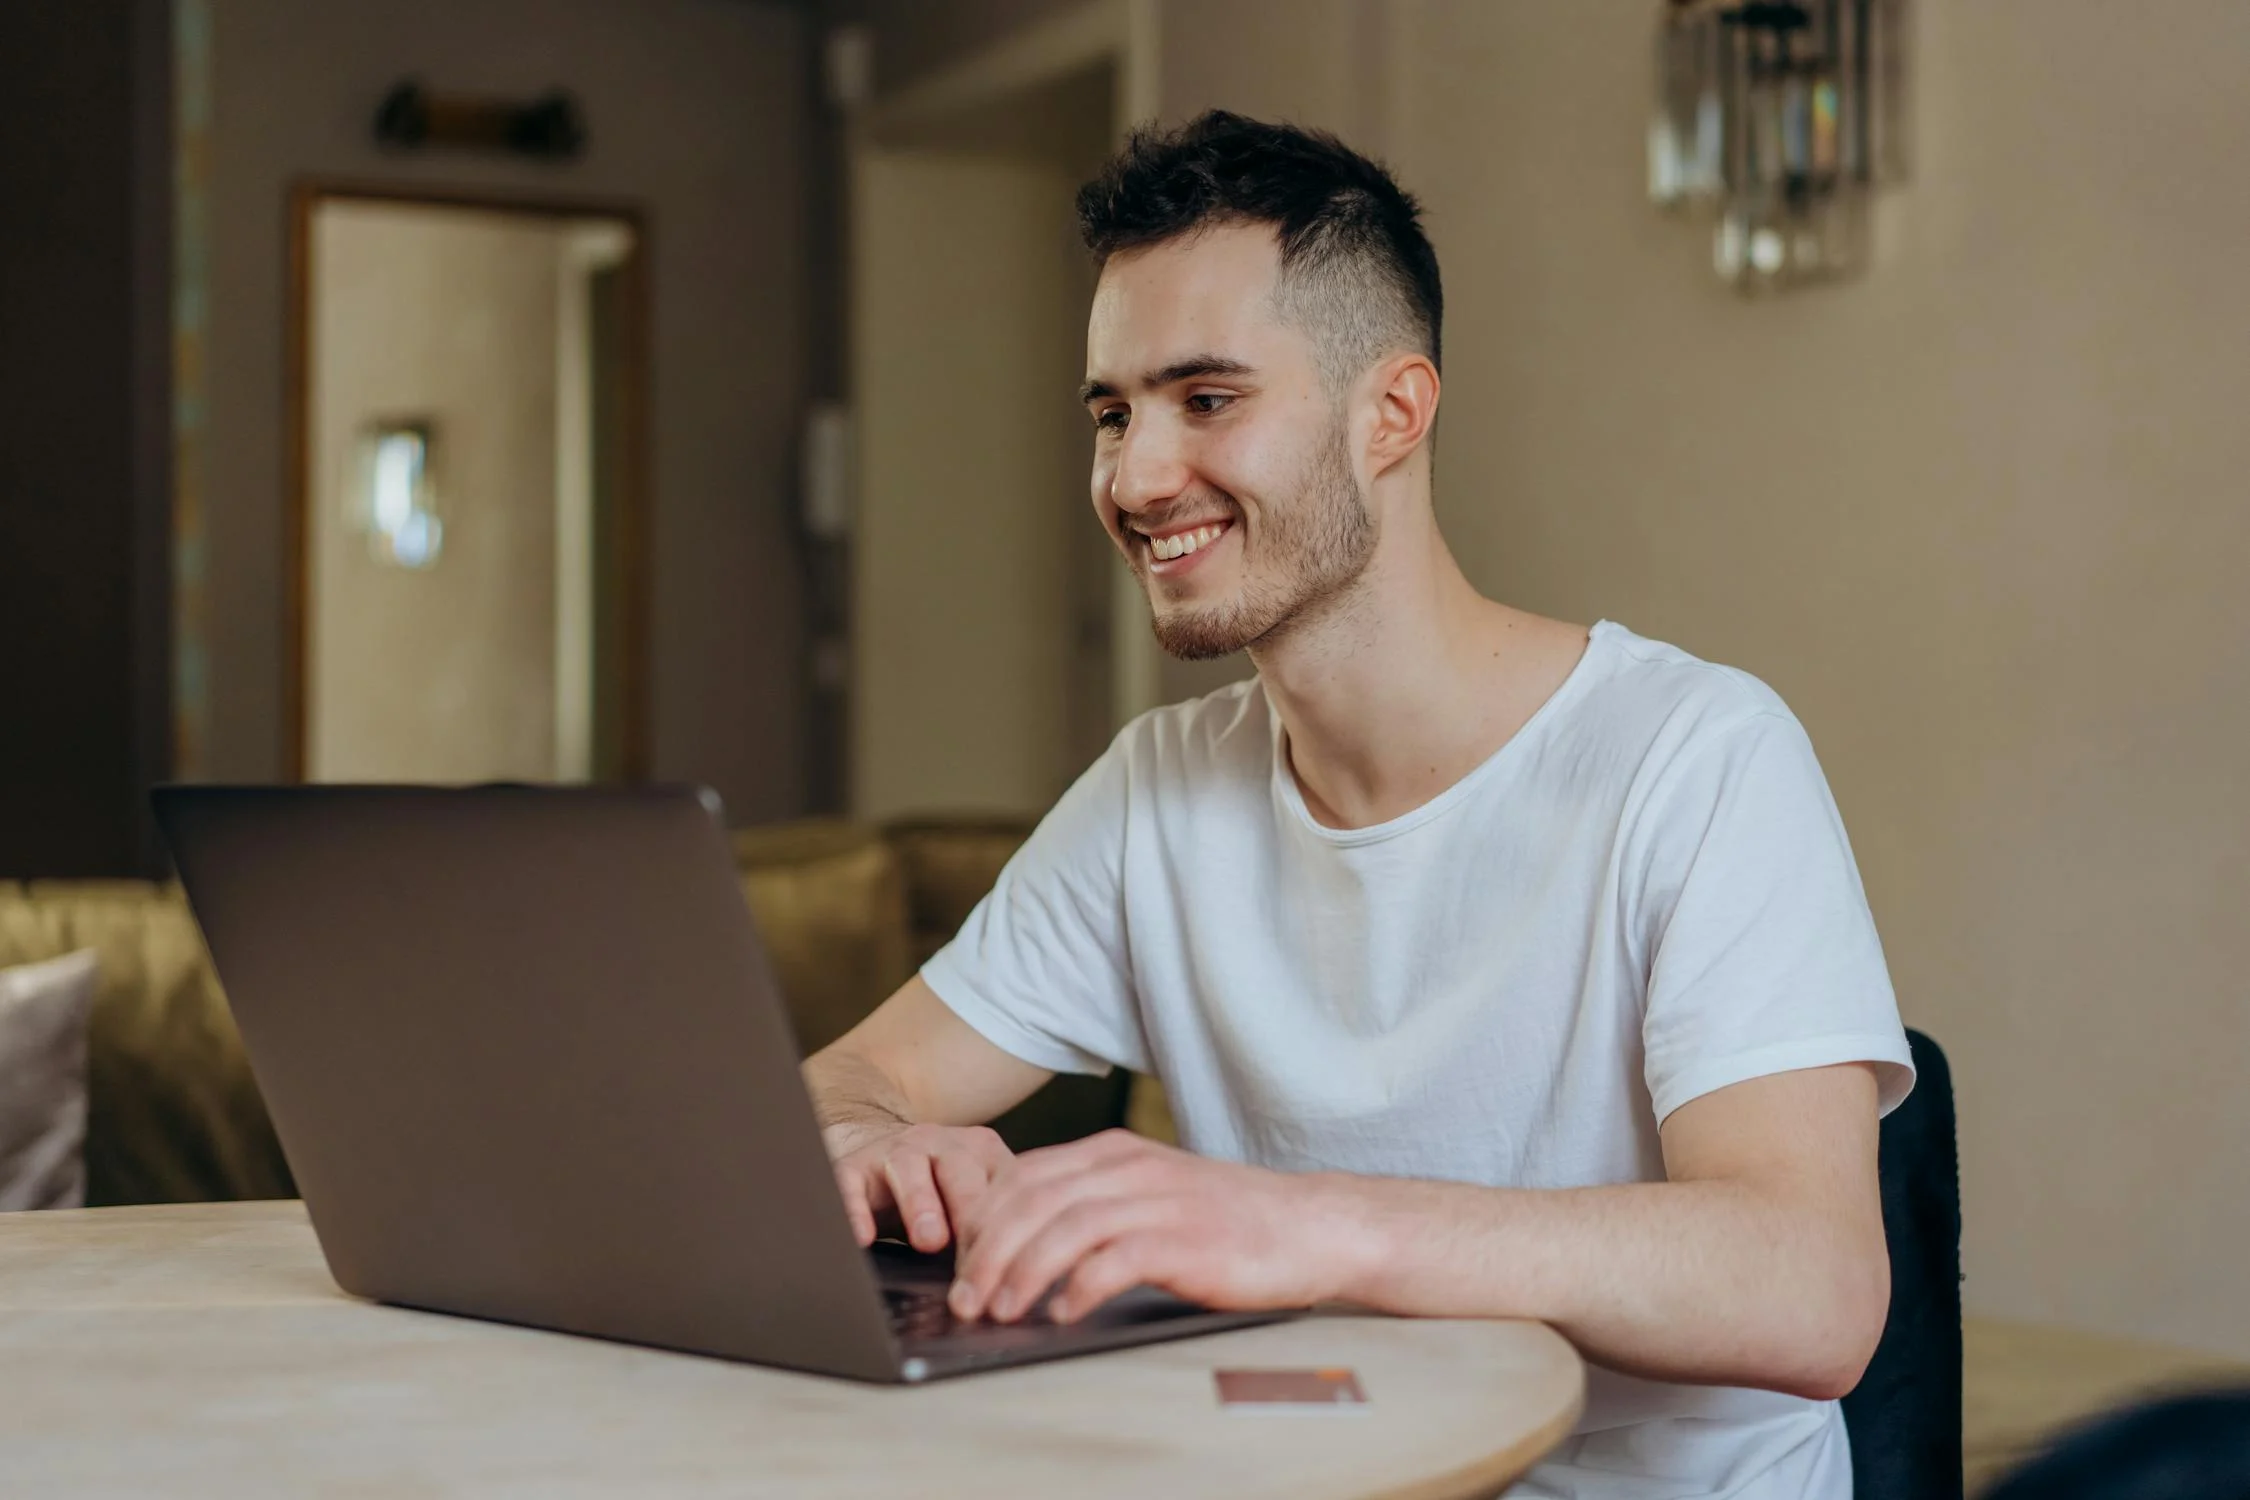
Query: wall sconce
[1776, 119]
[411, 118]
[396, 503]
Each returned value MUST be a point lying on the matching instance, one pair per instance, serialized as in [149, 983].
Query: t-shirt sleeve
[1764, 953]
[1040, 969]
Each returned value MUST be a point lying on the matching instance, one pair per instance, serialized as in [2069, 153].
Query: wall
[697, 110]
[1978, 517]
[85, 411]
[915, 38]
[446, 673]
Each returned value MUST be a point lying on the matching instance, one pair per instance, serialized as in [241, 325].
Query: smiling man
[1494, 966]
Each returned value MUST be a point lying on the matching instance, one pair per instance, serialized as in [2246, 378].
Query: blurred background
[682, 389]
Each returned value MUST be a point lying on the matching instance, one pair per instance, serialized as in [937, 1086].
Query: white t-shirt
[1644, 896]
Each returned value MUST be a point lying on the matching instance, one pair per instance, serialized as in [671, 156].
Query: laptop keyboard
[921, 1312]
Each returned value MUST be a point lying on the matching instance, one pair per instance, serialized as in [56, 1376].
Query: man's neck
[1408, 682]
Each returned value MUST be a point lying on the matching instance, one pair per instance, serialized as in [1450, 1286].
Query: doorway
[994, 653]
[466, 420]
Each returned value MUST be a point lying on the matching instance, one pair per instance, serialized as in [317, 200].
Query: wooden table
[201, 1350]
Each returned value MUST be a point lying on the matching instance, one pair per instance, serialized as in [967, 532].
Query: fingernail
[1004, 1306]
[963, 1300]
[929, 1226]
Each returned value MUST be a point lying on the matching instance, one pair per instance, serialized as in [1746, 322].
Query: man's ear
[1405, 388]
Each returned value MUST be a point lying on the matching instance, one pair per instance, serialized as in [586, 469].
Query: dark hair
[1355, 264]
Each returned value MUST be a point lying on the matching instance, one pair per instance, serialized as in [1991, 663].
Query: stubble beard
[1316, 549]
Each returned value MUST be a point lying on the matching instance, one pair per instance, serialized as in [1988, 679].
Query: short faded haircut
[1357, 272]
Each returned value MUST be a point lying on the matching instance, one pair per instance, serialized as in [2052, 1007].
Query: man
[1494, 967]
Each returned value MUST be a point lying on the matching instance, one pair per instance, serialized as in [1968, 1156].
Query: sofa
[847, 910]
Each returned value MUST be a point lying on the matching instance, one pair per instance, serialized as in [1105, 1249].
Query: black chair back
[1905, 1416]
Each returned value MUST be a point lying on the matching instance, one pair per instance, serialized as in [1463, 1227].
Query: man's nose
[1150, 468]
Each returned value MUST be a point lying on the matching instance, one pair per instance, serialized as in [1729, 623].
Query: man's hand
[925, 1177]
[1116, 1211]
[895, 1096]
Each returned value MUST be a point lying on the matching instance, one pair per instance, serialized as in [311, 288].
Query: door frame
[631, 502]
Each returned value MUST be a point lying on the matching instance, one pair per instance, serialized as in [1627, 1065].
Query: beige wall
[1977, 517]
[446, 673]
[697, 111]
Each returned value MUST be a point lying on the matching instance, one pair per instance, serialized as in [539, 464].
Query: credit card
[1332, 1387]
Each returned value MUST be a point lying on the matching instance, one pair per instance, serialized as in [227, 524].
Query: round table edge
[1489, 1476]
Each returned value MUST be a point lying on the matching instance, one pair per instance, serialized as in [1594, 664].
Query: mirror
[467, 422]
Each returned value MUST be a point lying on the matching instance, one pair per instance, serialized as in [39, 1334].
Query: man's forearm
[1720, 1282]
[913, 1062]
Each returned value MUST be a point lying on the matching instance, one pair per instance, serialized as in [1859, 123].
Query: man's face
[1222, 464]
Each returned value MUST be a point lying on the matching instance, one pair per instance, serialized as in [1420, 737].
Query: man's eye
[1207, 403]
[1112, 420]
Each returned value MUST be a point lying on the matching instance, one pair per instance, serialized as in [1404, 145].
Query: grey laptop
[528, 1062]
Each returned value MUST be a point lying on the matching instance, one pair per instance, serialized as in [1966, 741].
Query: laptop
[528, 1062]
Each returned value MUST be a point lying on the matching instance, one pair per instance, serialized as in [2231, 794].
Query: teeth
[1165, 548]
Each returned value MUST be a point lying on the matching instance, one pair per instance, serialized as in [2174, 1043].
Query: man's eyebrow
[1182, 369]
[1195, 368]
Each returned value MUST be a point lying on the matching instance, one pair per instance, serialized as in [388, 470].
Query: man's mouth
[1173, 547]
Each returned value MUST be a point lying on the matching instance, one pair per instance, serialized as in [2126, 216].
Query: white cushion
[43, 1011]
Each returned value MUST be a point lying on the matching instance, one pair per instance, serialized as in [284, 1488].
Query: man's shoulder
[1229, 727]
[1654, 689]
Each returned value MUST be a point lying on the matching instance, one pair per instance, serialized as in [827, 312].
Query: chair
[2185, 1447]
[1905, 1415]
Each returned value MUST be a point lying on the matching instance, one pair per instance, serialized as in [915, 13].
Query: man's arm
[1760, 1262]
[892, 1095]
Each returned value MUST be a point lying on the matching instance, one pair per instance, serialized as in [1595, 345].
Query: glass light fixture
[396, 501]
[1776, 119]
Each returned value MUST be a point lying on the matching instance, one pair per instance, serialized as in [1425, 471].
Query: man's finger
[1119, 1266]
[985, 1144]
[1007, 1218]
[856, 1207]
[1069, 1238]
[920, 1208]
[962, 1178]
[1004, 1217]
[1124, 1163]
